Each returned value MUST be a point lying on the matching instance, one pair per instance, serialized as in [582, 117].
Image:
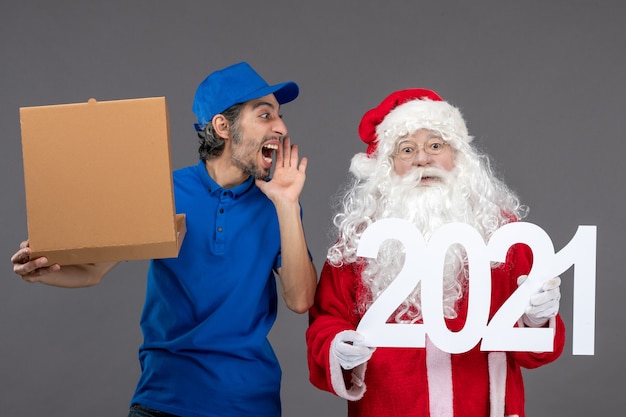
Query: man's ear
[221, 125]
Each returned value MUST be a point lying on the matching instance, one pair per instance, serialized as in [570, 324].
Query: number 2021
[424, 263]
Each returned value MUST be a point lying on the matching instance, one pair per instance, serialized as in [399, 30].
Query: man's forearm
[77, 276]
[297, 274]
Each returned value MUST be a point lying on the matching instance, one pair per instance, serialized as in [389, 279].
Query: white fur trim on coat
[358, 387]
[439, 374]
[497, 383]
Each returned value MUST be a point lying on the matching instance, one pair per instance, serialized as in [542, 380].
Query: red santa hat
[402, 113]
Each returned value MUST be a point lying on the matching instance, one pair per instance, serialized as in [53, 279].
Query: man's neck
[224, 172]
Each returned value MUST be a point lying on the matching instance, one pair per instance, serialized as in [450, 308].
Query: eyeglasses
[407, 150]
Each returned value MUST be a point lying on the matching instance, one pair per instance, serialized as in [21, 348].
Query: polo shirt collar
[214, 187]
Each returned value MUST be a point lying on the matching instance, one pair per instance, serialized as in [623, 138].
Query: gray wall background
[541, 85]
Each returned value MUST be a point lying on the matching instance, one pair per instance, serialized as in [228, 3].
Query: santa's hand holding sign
[420, 166]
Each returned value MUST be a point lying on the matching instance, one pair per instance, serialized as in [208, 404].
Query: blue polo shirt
[208, 312]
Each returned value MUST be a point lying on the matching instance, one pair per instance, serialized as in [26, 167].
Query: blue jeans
[139, 411]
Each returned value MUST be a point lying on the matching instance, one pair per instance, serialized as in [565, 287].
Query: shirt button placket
[221, 219]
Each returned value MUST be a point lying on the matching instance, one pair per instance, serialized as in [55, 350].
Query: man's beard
[250, 168]
[428, 207]
[245, 156]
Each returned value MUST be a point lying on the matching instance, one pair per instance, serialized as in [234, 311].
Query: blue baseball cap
[232, 85]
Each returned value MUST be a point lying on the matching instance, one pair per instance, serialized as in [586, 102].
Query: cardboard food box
[98, 181]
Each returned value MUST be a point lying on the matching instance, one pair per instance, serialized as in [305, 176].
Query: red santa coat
[408, 382]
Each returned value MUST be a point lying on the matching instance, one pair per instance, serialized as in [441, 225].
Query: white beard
[428, 207]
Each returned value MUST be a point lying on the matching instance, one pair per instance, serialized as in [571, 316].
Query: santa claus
[420, 165]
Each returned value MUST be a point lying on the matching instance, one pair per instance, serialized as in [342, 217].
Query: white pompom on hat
[402, 113]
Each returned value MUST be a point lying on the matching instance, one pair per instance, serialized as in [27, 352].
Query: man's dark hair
[212, 145]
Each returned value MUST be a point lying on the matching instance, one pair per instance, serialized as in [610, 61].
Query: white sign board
[424, 261]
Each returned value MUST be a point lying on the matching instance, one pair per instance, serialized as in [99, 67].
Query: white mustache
[417, 174]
